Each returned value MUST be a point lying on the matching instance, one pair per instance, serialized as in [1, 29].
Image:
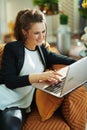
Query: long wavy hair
[24, 20]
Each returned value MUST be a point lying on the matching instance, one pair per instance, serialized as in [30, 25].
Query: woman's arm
[52, 58]
[9, 70]
[10, 73]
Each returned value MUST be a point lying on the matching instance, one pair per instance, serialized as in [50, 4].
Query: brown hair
[24, 20]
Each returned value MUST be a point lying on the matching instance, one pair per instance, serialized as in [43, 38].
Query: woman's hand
[51, 76]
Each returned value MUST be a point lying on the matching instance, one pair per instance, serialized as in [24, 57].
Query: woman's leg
[13, 119]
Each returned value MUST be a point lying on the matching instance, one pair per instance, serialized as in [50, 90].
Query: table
[75, 51]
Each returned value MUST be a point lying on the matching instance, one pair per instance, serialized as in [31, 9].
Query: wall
[8, 11]
[13, 6]
[3, 18]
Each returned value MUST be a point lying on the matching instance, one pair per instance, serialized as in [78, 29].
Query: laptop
[74, 76]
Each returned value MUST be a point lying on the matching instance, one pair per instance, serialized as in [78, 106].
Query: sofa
[68, 113]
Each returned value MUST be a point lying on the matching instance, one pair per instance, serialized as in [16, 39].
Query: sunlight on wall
[3, 18]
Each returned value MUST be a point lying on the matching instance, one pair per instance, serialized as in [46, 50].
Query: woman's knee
[12, 123]
[13, 119]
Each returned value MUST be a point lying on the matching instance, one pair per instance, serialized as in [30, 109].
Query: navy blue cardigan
[13, 59]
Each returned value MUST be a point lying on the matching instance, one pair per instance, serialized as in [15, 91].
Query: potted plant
[83, 13]
[83, 8]
[48, 7]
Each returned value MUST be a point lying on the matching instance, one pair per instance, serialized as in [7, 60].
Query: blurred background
[9, 9]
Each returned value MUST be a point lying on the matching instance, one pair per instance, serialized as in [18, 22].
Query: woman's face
[36, 34]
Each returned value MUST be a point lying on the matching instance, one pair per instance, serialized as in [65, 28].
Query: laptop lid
[76, 76]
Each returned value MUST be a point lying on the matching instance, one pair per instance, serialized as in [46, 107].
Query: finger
[55, 78]
[40, 81]
[56, 73]
[52, 80]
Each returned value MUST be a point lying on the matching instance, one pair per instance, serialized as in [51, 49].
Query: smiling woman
[28, 59]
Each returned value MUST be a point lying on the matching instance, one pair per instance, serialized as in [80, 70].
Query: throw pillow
[47, 104]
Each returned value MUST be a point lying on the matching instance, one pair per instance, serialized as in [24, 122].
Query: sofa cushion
[74, 109]
[34, 122]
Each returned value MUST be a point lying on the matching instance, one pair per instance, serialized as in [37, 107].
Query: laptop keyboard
[55, 88]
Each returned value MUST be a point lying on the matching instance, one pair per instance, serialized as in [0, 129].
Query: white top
[22, 97]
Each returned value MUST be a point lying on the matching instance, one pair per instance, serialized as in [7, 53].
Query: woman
[24, 62]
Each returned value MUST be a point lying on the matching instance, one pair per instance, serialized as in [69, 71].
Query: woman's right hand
[51, 76]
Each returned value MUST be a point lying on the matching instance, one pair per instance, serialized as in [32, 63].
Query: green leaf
[85, 45]
[83, 12]
[42, 2]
